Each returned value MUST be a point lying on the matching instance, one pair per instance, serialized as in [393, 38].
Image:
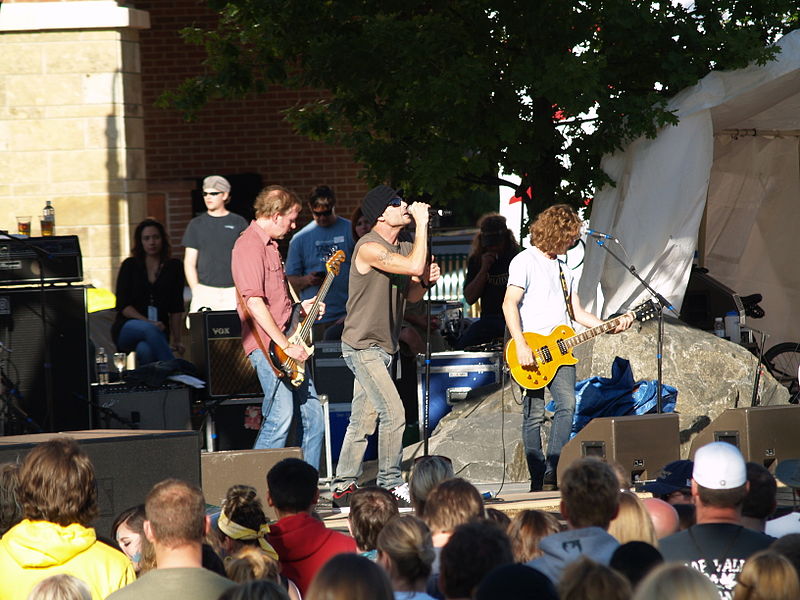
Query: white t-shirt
[542, 307]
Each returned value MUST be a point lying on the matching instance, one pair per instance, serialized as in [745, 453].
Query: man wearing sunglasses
[209, 240]
[311, 247]
[385, 272]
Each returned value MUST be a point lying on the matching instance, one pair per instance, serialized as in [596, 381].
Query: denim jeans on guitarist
[562, 388]
[281, 401]
[375, 401]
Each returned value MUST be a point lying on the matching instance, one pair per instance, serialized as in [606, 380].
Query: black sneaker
[403, 497]
[341, 499]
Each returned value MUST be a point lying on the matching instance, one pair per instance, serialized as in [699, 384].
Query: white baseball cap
[719, 466]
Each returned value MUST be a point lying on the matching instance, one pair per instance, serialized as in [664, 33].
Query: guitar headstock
[334, 262]
[645, 311]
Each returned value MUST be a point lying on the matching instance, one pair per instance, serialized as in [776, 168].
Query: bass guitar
[298, 331]
[550, 352]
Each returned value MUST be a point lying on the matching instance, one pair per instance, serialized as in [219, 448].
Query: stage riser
[641, 444]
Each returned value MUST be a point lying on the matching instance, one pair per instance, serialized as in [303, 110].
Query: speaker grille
[231, 373]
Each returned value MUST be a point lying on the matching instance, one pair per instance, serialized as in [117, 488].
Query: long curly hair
[555, 229]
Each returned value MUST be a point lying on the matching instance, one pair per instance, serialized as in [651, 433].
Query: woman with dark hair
[128, 531]
[149, 297]
[487, 275]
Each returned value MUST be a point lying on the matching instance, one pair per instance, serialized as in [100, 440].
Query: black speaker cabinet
[764, 434]
[122, 407]
[67, 337]
[642, 444]
[216, 345]
[331, 375]
[127, 463]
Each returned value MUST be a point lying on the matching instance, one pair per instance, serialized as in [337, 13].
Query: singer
[384, 273]
[538, 298]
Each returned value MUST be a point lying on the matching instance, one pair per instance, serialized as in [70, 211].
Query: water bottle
[732, 327]
[101, 364]
[48, 219]
[719, 327]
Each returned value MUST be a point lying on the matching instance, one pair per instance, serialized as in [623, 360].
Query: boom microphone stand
[659, 300]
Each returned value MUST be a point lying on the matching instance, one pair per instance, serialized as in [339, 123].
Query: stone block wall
[71, 124]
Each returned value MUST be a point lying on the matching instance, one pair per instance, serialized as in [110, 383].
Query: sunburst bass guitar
[551, 352]
[298, 331]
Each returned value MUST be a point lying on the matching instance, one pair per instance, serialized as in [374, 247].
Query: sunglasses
[322, 213]
[424, 457]
[395, 202]
[212, 193]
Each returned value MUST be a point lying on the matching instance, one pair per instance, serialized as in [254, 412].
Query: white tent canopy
[734, 155]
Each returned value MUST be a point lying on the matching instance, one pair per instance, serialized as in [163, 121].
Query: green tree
[435, 95]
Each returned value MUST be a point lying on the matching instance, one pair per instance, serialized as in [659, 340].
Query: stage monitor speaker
[126, 463]
[118, 406]
[764, 434]
[221, 470]
[331, 374]
[216, 346]
[641, 444]
[68, 339]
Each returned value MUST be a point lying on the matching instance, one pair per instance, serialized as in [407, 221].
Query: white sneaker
[403, 497]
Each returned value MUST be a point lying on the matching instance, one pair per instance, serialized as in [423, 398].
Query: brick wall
[229, 137]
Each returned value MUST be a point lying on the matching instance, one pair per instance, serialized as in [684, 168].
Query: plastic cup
[24, 226]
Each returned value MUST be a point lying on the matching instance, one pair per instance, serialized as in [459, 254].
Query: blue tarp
[616, 396]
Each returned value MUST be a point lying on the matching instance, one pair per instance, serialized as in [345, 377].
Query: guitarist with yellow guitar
[539, 298]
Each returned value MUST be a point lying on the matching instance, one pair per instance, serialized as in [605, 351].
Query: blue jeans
[375, 402]
[149, 342]
[281, 400]
[562, 388]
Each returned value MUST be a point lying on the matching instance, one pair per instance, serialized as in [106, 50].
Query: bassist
[265, 308]
[538, 298]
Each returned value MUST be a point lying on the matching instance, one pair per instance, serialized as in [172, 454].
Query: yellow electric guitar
[552, 351]
[299, 330]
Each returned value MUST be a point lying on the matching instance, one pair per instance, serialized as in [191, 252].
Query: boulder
[711, 374]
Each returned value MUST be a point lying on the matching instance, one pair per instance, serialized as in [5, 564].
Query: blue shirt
[309, 249]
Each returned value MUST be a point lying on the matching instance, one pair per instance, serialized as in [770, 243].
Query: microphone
[440, 212]
[599, 234]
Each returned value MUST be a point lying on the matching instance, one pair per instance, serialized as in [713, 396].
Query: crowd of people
[604, 544]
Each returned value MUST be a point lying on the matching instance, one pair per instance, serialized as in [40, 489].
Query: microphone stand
[660, 301]
[427, 396]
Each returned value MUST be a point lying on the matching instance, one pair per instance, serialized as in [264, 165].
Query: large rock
[710, 374]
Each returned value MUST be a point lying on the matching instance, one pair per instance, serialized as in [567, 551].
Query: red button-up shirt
[257, 271]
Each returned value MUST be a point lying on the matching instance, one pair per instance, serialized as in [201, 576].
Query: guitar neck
[577, 340]
[311, 317]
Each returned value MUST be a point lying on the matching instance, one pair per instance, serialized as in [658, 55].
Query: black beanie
[376, 201]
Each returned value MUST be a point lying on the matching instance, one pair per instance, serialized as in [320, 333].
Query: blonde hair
[527, 528]
[406, 540]
[274, 200]
[60, 587]
[673, 581]
[251, 563]
[767, 575]
[555, 228]
[426, 475]
[633, 522]
[585, 579]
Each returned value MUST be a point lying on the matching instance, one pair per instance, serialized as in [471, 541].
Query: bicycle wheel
[783, 361]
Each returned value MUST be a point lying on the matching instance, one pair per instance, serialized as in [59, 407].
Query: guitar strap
[567, 295]
[254, 328]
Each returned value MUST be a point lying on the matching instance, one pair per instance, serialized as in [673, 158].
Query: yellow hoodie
[34, 550]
